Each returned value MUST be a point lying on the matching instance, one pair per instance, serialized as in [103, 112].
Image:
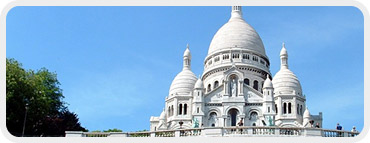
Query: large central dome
[236, 34]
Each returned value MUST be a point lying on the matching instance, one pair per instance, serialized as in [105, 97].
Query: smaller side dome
[285, 80]
[199, 84]
[183, 83]
[267, 83]
[306, 113]
[162, 116]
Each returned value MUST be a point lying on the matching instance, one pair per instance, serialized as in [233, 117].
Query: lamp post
[24, 121]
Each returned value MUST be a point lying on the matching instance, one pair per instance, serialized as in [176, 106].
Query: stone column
[175, 107]
[241, 88]
[294, 107]
[226, 88]
[177, 133]
[190, 107]
[280, 109]
[225, 119]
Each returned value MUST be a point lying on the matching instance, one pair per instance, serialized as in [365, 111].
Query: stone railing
[190, 132]
[338, 133]
[96, 134]
[139, 134]
[244, 131]
[263, 131]
[168, 133]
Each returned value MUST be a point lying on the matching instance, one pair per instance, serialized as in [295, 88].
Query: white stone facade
[235, 86]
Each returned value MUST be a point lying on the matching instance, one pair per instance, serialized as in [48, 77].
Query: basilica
[236, 87]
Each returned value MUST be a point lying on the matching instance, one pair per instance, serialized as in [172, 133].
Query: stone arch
[185, 108]
[209, 88]
[233, 116]
[246, 81]
[233, 85]
[259, 111]
[216, 84]
[253, 117]
[233, 106]
[227, 82]
[255, 85]
[239, 75]
[233, 113]
[212, 120]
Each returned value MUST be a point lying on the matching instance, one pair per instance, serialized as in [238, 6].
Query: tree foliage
[113, 130]
[37, 93]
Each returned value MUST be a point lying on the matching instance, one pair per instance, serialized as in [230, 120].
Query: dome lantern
[236, 12]
[187, 58]
[283, 57]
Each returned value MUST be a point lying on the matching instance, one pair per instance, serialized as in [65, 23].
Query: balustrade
[190, 132]
[224, 131]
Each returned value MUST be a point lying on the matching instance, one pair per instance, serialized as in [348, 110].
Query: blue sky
[116, 64]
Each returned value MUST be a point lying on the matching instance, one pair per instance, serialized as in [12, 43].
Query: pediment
[215, 95]
[233, 69]
[251, 94]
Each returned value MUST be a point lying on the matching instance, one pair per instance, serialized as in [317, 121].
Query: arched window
[276, 108]
[255, 85]
[301, 110]
[261, 86]
[246, 81]
[180, 109]
[209, 88]
[284, 108]
[172, 110]
[169, 111]
[253, 116]
[298, 109]
[198, 110]
[212, 120]
[233, 113]
[268, 109]
[215, 85]
[185, 108]
[289, 108]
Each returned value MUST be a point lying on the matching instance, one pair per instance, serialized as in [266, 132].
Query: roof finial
[284, 57]
[187, 58]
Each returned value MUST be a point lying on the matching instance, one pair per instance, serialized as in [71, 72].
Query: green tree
[36, 97]
[113, 130]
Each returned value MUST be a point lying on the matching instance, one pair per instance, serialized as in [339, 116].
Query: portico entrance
[232, 114]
